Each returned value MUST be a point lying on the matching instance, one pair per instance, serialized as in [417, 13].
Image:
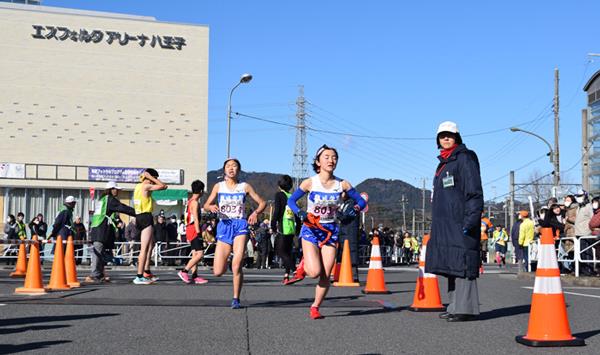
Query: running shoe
[142, 281]
[91, 280]
[152, 277]
[184, 277]
[293, 280]
[314, 313]
[235, 304]
[199, 281]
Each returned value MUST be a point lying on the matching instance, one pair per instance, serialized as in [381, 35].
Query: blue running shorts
[316, 236]
[228, 229]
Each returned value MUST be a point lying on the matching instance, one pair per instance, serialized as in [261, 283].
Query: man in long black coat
[454, 247]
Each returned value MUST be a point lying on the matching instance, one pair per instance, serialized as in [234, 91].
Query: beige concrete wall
[100, 104]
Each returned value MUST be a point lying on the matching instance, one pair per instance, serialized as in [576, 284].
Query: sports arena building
[87, 97]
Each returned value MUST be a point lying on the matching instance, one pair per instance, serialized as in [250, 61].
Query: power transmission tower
[300, 168]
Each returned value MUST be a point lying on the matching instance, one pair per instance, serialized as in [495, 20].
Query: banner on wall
[131, 175]
[12, 171]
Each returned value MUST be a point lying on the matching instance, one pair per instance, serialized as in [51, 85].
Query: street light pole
[244, 79]
[553, 159]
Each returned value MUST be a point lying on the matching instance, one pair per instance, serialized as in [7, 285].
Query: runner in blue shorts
[319, 241]
[232, 230]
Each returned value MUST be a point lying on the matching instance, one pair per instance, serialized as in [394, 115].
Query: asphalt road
[173, 318]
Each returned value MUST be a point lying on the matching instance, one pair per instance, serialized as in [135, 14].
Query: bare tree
[539, 187]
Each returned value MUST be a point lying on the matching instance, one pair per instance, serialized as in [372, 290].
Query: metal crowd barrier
[563, 255]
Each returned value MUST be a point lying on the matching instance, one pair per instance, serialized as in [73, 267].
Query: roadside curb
[566, 279]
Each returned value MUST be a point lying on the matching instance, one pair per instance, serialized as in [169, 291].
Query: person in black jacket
[453, 250]
[161, 236]
[283, 224]
[103, 230]
[38, 227]
[349, 227]
[79, 236]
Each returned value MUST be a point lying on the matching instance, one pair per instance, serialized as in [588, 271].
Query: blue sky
[393, 69]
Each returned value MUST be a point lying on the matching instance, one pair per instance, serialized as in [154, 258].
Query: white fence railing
[570, 254]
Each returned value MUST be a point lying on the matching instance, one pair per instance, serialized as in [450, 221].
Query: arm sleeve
[595, 221]
[59, 222]
[278, 208]
[292, 201]
[115, 206]
[472, 190]
[353, 194]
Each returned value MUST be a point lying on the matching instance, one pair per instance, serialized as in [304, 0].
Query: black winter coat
[105, 233]
[454, 247]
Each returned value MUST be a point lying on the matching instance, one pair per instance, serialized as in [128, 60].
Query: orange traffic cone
[375, 278]
[71, 269]
[548, 321]
[58, 277]
[346, 278]
[427, 293]
[335, 274]
[21, 268]
[33, 281]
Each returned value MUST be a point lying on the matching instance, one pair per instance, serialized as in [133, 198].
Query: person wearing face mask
[582, 229]
[11, 232]
[595, 221]
[554, 219]
[570, 212]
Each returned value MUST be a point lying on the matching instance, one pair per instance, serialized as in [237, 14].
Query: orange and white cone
[58, 277]
[21, 268]
[33, 281]
[375, 277]
[427, 293]
[346, 278]
[70, 265]
[548, 321]
[335, 273]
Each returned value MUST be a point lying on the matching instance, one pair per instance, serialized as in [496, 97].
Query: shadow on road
[368, 312]
[12, 349]
[304, 301]
[5, 331]
[48, 319]
[585, 335]
[504, 312]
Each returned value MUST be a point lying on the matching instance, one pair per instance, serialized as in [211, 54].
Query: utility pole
[300, 168]
[423, 217]
[403, 201]
[413, 222]
[556, 159]
[511, 205]
[585, 160]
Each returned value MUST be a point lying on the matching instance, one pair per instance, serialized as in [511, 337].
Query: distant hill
[384, 196]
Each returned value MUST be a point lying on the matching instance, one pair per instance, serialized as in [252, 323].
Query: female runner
[319, 232]
[232, 230]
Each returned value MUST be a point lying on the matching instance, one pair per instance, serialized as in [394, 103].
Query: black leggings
[283, 247]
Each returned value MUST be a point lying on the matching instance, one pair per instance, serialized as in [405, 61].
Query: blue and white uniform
[323, 203]
[232, 212]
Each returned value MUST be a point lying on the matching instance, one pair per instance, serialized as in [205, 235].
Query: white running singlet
[324, 202]
[232, 202]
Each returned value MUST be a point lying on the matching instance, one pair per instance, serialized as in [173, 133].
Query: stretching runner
[142, 202]
[232, 230]
[193, 236]
[320, 232]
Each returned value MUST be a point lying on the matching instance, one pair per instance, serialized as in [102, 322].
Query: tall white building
[87, 97]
